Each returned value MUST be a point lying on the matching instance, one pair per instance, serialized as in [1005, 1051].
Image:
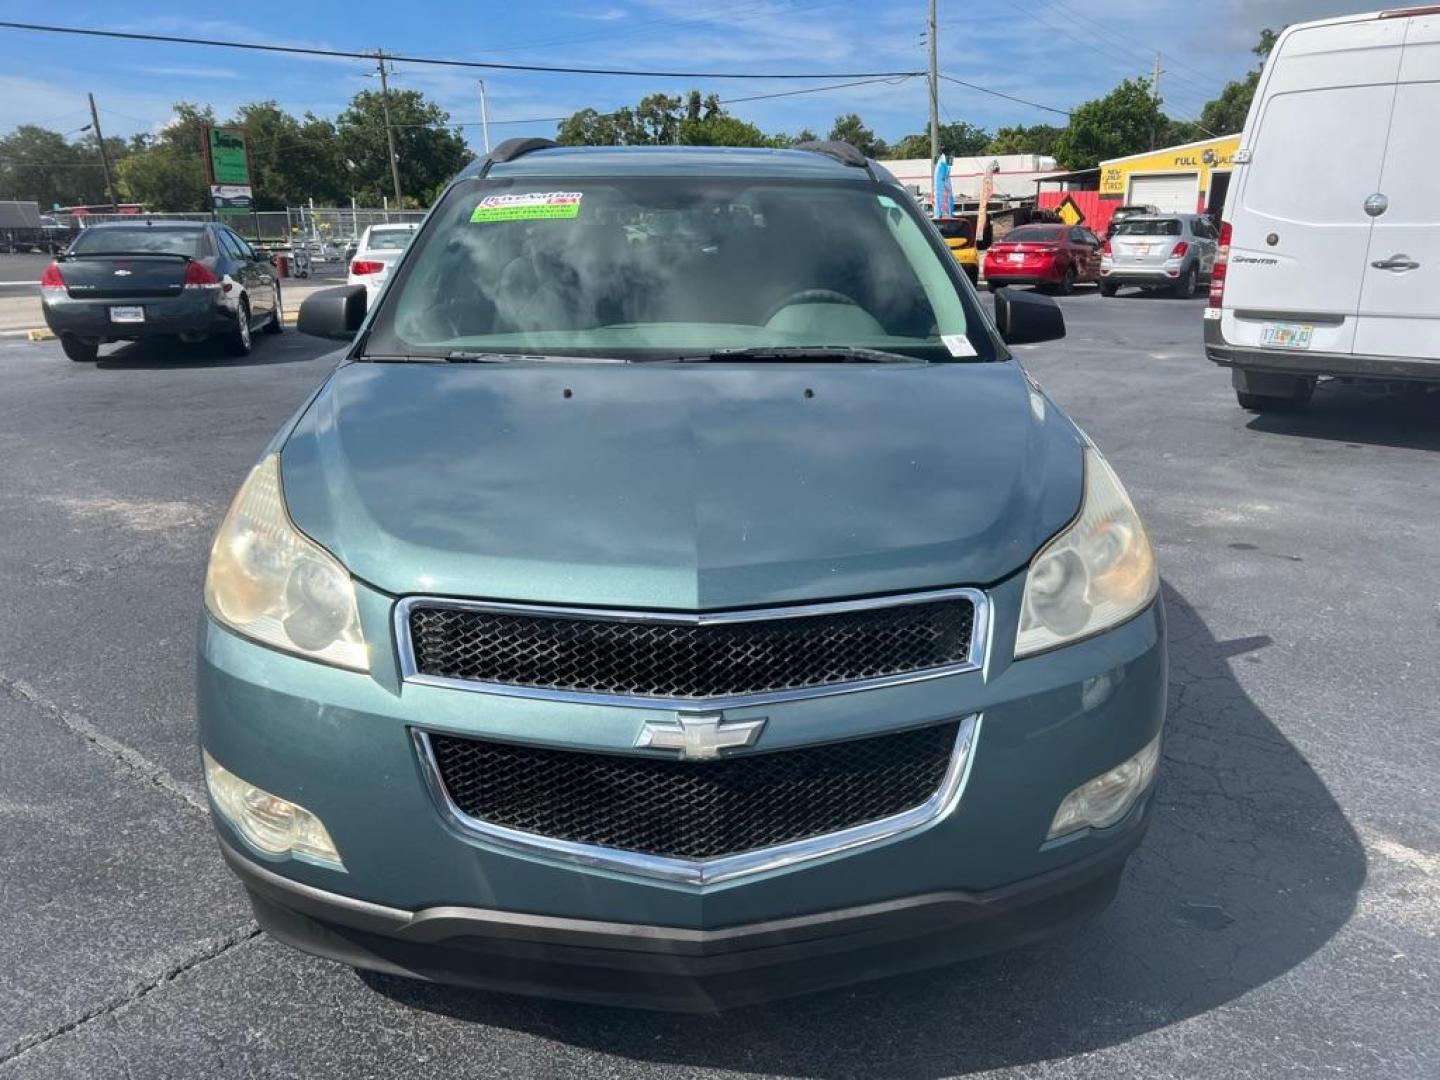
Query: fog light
[269, 823]
[1107, 798]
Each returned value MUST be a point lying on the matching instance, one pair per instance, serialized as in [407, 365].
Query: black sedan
[148, 279]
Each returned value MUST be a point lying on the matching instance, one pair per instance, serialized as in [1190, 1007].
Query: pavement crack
[150, 771]
[210, 949]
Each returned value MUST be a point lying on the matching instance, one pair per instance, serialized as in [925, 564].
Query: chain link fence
[326, 230]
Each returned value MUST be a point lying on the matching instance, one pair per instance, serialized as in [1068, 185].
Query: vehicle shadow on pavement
[167, 355]
[1250, 867]
[1362, 416]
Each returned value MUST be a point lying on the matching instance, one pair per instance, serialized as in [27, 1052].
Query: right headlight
[271, 582]
[1097, 573]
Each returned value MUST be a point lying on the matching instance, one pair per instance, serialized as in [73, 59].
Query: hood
[697, 486]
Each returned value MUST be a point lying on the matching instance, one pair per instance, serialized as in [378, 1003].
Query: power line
[729, 16]
[1125, 57]
[1102, 28]
[1007, 97]
[297, 50]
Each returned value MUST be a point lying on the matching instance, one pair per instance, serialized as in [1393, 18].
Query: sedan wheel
[276, 324]
[1067, 283]
[240, 343]
[80, 351]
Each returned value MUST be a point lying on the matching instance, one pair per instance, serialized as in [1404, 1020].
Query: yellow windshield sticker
[530, 206]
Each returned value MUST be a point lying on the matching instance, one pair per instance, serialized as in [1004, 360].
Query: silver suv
[1160, 251]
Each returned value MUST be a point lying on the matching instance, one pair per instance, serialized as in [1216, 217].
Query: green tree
[958, 139]
[850, 128]
[167, 172]
[1124, 121]
[428, 152]
[663, 120]
[1226, 114]
[40, 165]
[1019, 139]
[292, 160]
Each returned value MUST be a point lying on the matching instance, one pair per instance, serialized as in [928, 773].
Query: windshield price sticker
[530, 206]
[958, 344]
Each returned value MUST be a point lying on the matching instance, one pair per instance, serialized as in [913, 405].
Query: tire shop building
[1189, 178]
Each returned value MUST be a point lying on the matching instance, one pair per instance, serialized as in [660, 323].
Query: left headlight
[270, 582]
[1097, 573]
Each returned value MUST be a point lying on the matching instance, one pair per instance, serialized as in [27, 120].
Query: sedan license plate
[1017, 256]
[127, 314]
[1286, 335]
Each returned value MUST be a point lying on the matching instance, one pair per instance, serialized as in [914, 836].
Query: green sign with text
[229, 164]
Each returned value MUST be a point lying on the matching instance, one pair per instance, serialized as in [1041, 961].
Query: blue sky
[1056, 52]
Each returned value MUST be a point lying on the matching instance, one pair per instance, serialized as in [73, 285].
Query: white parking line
[4, 283]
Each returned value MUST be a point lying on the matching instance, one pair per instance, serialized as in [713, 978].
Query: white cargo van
[1330, 248]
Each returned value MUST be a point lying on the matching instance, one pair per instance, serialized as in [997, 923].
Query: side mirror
[1023, 317]
[333, 313]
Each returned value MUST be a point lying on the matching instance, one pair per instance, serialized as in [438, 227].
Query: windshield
[389, 239]
[649, 267]
[1032, 234]
[138, 238]
[1148, 228]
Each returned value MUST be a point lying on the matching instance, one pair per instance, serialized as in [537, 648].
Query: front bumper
[340, 744]
[641, 965]
[196, 311]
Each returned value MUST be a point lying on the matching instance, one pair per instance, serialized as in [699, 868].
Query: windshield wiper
[462, 356]
[802, 354]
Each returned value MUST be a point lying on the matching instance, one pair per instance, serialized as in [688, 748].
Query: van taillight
[51, 279]
[1106, 249]
[1217, 274]
[361, 267]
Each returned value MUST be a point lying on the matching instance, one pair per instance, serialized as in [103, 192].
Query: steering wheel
[810, 296]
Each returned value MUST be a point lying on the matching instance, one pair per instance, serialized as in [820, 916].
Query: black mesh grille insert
[640, 659]
[690, 809]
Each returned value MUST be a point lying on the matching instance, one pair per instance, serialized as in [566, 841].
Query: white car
[379, 247]
[1328, 258]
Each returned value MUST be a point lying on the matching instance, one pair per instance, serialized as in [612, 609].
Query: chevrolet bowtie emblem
[700, 736]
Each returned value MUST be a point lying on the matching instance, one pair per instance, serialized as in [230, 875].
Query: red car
[1058, 256]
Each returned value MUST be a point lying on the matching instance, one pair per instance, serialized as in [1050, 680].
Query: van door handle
[1396, 262]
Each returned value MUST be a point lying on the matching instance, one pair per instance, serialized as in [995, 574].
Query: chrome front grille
[659, 658]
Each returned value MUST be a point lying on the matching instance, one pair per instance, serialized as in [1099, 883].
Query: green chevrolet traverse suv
[678, 596]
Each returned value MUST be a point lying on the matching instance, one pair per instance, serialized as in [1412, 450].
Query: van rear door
[1300, 234]
[1400, 301]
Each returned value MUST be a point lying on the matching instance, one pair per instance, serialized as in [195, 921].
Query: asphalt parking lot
[1281, 918]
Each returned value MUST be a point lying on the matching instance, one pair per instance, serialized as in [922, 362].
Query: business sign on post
[231, 198]
[227, 168]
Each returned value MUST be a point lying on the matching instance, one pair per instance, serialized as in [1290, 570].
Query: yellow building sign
[1196, 158]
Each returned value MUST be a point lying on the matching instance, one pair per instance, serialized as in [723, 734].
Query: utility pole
[934, 94]
[484, 115]
[1155, 92]
[389, 132]
[104, 155]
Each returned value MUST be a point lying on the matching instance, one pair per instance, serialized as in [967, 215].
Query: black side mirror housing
[1023, 317]
[333, 313]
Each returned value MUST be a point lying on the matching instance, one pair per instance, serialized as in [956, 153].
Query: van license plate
[1286, 336]
[127, 314]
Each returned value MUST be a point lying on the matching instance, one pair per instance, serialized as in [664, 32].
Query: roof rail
[842, 152]
[511, 149]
